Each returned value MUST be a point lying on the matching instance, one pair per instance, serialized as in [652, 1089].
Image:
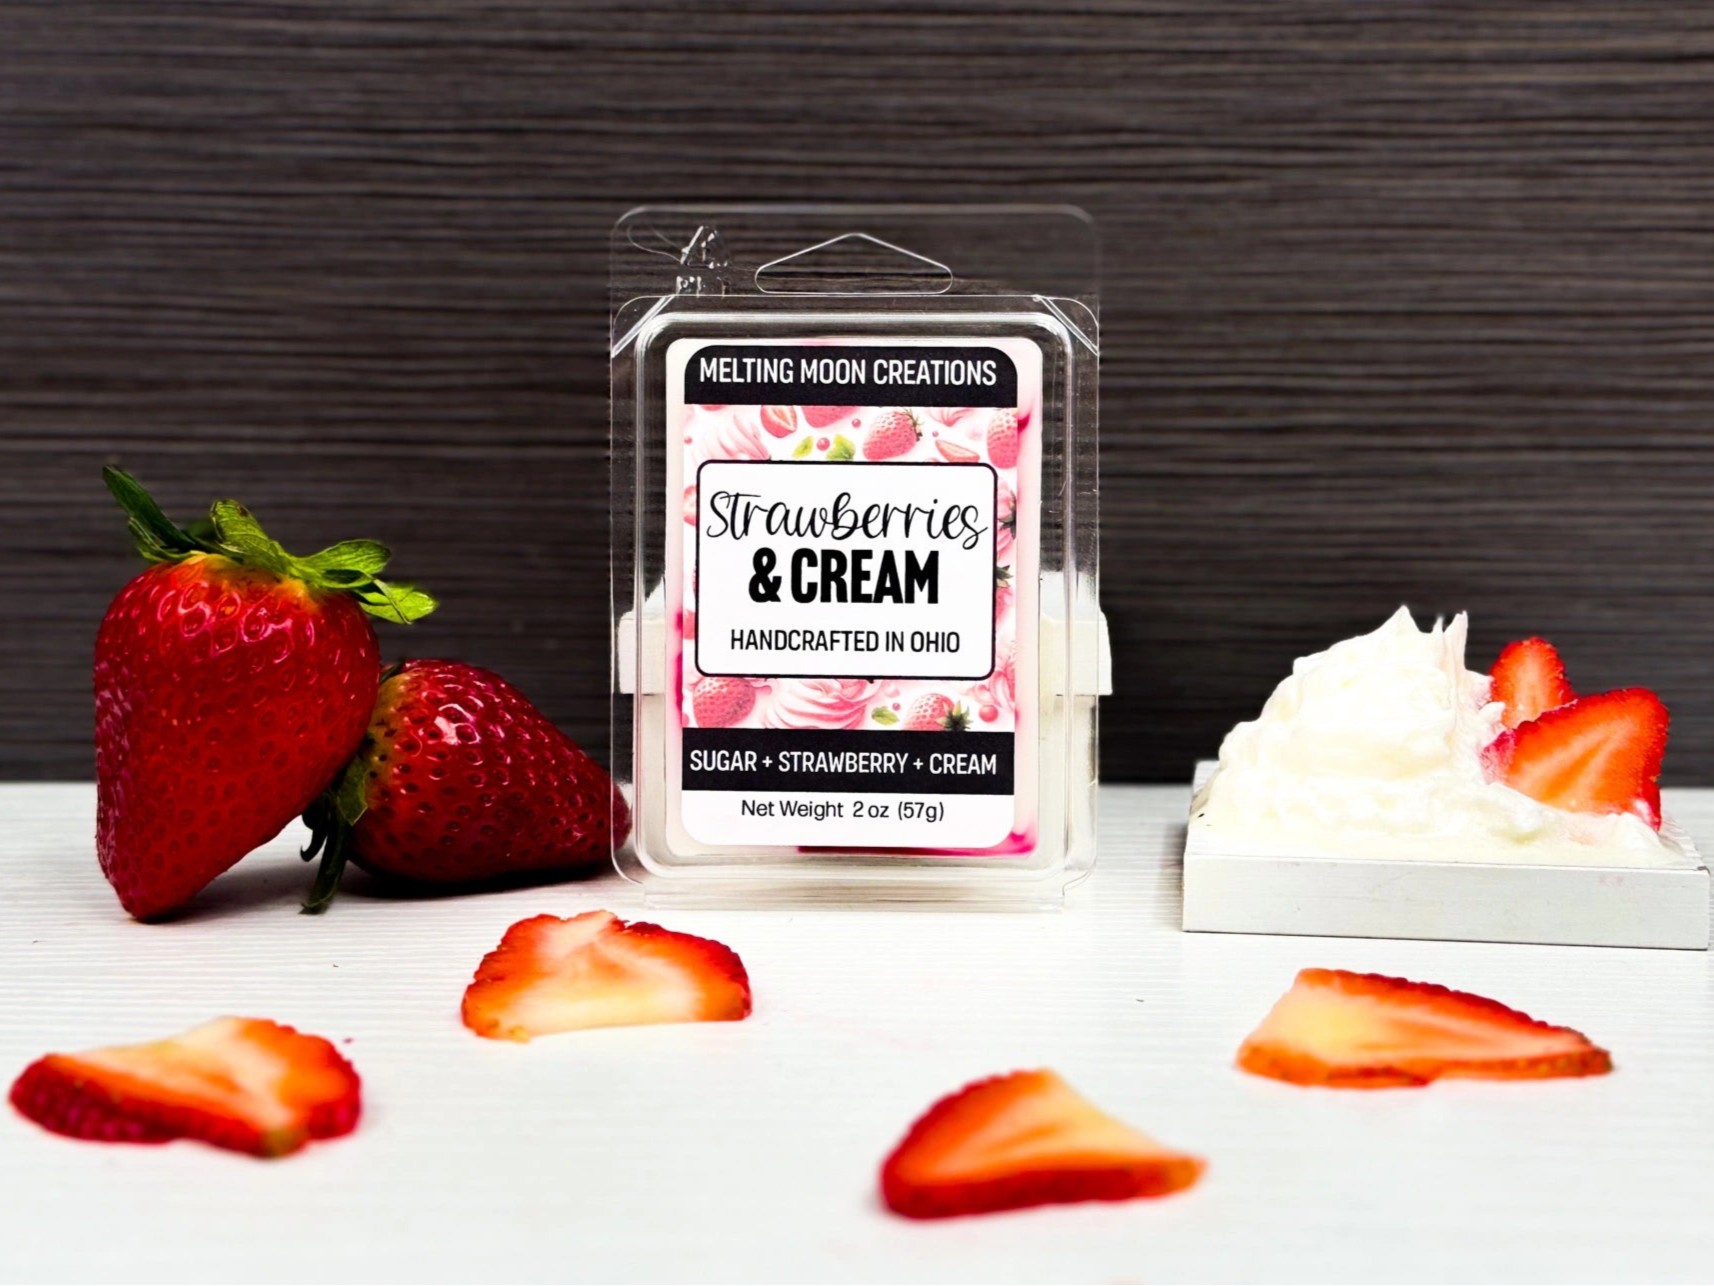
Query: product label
[854, 591]
[846, 570]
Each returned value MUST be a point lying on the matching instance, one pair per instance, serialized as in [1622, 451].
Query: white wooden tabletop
[748, 1151]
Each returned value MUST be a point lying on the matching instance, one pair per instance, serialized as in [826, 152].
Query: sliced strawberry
[1027, 1139]
[1365, 1031]
[1529, 678]
[781, 421]
[241, 1083]
[595, 970]
[1600, 754]
[955, 453]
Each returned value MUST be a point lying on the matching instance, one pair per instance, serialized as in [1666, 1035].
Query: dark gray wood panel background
[1405, 302]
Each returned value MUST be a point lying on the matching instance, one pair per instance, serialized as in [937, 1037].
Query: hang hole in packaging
[857, 637]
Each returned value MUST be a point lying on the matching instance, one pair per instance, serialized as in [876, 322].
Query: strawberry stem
[232, 532]
[331, 819]
[328, 835]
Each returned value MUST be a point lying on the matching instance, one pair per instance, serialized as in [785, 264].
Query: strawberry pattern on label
[852, 570]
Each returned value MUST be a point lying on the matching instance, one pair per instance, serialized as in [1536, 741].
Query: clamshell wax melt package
[858, 646]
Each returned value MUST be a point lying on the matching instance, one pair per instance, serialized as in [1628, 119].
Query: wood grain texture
[1404, 302]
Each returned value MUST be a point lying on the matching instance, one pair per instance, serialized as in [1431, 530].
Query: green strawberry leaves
[157, 537]
[334, 815]
[351, 558]
[841, 448]
[330, 836]
[231, 531]
[401, 604]
[331, 818]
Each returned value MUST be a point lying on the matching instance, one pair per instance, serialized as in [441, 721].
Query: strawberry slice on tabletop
[551, 975]
[1599, 754]
[1367, 1031]
[1529, 678]
[1026, 1139]
[246, 1084]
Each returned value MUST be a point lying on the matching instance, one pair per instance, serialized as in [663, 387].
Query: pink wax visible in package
[854, 570]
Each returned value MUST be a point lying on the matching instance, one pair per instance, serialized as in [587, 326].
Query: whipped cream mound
[1373, 748]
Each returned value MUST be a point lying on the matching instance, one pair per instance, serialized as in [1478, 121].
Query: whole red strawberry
[461, 779]
[893, 433]
[1003, 439]
[232, 682]
[933, 712]
[721, 702]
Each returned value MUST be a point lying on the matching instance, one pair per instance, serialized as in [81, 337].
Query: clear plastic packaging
[858, 643]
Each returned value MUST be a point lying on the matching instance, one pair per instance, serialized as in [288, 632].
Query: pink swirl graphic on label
[728, 437]
[819, 703]
[948, 414]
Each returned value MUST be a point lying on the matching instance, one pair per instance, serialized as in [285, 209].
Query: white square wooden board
[1231, 890]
